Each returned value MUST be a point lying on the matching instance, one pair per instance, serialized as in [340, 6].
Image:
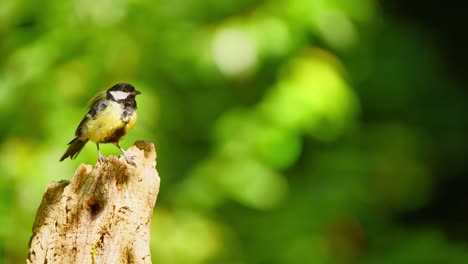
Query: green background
[294, 131]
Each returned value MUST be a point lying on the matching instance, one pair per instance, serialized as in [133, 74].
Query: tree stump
[103, 215]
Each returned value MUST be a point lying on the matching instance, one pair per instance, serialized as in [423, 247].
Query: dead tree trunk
[103, 215]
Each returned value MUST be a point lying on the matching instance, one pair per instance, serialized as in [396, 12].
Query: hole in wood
[94, 206]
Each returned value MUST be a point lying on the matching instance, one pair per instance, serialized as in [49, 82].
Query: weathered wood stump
[103, 215]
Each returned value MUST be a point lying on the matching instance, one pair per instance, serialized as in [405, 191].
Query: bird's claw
[129, 159]
[102, 158]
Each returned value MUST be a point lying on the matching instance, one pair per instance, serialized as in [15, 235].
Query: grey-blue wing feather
[96, 105]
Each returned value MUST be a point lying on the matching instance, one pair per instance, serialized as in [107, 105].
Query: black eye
[128, 88]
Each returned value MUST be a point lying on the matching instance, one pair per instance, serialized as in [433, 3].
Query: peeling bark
[103, 215]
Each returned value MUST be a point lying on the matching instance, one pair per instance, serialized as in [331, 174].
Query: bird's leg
[126, 155]
[101, 158]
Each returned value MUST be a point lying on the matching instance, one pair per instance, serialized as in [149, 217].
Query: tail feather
[74, 148]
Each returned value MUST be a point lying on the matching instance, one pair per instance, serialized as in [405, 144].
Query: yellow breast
[107, 125]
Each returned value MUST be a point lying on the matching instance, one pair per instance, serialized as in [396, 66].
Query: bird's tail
[74, 148]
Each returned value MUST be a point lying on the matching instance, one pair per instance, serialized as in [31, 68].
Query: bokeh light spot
[337, 29]
[234, 52]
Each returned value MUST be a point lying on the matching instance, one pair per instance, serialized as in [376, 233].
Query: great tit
[111, 115]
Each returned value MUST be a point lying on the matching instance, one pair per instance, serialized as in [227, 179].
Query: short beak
[136, 92]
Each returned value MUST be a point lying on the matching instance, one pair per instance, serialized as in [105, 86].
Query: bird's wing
[96, 104]
[93, 103]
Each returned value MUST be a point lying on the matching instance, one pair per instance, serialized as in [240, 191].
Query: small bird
[111, 115]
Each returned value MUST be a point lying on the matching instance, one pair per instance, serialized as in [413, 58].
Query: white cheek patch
[119, 95]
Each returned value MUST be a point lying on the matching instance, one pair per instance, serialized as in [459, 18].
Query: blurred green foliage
[291, 131]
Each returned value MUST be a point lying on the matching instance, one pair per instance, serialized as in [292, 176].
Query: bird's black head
[122, 92]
